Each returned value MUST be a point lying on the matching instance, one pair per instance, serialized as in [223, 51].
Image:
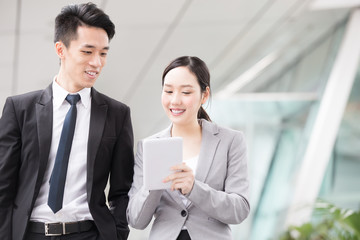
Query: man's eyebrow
[92, 46]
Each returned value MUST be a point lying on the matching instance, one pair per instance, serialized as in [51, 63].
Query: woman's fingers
[177, 175]
[180, 171]
[185, 185]
[182, 179]
[181, 167]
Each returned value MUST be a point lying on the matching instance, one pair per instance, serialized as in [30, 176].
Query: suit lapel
[209, 145]
[44, 121]
[97, 122]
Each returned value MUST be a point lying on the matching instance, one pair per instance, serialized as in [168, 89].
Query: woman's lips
[177, 112]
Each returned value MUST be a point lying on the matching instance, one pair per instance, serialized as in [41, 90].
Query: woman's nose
[176, 99]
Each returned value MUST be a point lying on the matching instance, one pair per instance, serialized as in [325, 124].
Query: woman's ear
[205, 95]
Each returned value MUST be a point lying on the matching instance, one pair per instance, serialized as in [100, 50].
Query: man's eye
[168, 91]
[87, 52]
[104, 54]
[186, 93]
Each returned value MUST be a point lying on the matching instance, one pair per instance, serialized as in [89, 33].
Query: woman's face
[181, 96]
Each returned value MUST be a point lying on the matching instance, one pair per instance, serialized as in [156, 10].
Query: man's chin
[89, 84]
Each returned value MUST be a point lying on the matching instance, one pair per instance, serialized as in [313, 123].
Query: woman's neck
[188, 130]
[191, 135]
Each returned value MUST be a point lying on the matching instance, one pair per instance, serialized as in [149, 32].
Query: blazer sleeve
[230, 206]
[10, 149]
[121, 175]
[142, 203]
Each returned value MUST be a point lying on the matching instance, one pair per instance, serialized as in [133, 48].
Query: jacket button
[183, 213]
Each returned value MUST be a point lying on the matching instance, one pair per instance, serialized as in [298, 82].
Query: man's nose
[96, 61]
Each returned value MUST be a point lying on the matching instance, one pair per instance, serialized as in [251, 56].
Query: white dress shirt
[75, 206]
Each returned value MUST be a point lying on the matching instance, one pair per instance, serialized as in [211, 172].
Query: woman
[209, 190]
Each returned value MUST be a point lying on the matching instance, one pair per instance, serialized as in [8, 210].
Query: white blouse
[192, 163]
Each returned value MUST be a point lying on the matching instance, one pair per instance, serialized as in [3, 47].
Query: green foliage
[329, 223]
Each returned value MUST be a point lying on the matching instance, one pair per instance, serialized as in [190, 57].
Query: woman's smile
[177, 111]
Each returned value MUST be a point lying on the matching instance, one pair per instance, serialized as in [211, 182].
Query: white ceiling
[231, 36]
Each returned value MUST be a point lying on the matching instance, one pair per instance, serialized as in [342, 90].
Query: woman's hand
[182, 179]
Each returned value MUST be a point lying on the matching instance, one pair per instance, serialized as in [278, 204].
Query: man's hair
[75, 15]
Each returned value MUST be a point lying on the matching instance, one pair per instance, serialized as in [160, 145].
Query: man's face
[84, 58]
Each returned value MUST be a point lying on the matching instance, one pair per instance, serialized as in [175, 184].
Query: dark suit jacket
[25, 139]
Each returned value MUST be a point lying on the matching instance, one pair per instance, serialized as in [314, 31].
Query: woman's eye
[86, 52]
[186, 93]
[168, 91]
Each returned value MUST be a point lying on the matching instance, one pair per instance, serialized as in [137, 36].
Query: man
[58, 146]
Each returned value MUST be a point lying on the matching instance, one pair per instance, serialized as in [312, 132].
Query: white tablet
[159, 155]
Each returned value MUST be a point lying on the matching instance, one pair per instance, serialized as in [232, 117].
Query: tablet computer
[159, 155]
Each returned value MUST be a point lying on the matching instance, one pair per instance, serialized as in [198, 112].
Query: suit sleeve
[121, 176]
[143, 203]
[10, 152]
[230, 206]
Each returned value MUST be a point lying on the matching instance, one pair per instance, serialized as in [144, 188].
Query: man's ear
[59, 49]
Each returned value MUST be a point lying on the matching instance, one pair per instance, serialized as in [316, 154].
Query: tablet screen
[159, 155]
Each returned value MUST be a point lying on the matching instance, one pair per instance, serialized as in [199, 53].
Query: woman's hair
[75, 15]
[199, 69]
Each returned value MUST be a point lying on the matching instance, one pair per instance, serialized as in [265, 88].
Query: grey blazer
[219, 196]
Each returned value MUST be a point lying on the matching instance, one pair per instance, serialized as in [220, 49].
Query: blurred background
[285, 72]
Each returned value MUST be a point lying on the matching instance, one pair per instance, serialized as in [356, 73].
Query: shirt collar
[59, 95]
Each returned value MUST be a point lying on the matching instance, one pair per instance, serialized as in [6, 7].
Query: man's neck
[61, 80]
